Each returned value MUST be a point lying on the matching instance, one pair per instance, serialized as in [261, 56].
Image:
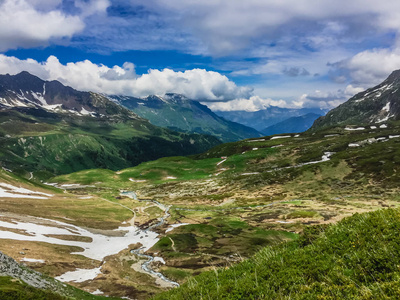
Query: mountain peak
[394, 77]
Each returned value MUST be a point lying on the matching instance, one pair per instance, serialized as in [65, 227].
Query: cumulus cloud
[326, 99]
[368, 68]
[25, 24]
[197, 84]
[254, 103]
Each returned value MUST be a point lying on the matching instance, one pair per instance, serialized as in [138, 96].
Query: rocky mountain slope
[292, 125]
[25, 90]
[373, 106]
[46, 127]
[179, 113]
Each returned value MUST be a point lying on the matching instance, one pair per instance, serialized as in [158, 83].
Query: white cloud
[327, 99]
[230, 25]
[370, 67]
[197, 84]
[254, 103]
[25, 24]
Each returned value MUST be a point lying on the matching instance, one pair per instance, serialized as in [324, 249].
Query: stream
[146, 265]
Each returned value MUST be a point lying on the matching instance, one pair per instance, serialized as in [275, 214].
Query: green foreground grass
[357, 258]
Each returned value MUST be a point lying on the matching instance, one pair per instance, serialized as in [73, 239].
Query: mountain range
[264, 118]
[49, 128]
[292, 125]
[177, 112]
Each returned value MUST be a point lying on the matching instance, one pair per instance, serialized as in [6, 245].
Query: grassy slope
[56, 144]
[354, 259]
[15, 289]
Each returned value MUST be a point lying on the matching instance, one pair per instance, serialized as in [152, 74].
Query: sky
[227, 54]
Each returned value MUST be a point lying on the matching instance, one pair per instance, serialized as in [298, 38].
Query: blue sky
[229, 54]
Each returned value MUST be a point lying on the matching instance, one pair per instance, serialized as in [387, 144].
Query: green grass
[358, 258]
[14, 289]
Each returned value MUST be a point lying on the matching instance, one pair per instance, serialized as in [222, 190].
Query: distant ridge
[179, 113]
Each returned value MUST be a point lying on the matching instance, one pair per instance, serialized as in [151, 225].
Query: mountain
[179, 113]
[25, 90]
[262, 119]
[46, 127]
[373, 106]
[292, 125]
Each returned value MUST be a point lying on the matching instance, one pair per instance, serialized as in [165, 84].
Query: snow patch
[352, 145]
[33, 260]
[86, 112]
[330, 135]
[160, 259]
[173, 226]
[99, 247]
[10, 191]
[386, 107]
[221, 161]
[251, 173]
[383, 126]
[281, 137]
[352, 129]
[80, 275]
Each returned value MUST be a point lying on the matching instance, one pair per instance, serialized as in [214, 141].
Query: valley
[197, 213]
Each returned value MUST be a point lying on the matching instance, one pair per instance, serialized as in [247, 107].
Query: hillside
[292, 125]
[226, 204]
[47, 128]
[179, 113]
[354, 259]
[373, 106]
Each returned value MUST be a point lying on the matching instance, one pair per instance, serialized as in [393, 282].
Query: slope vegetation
[354, 259]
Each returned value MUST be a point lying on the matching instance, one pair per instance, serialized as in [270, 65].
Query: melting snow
[80, 275]
[86, 112]
[160, 259]
[32, 260]
[352, 129]
[330, 135]
[252, 173]
[280, 137]
[373, 127]
[383, 126]
[173, 226]
[393, 136]
[221, 161]
[10, 191]
[386, 107]
[100, 246]
[354, 145]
